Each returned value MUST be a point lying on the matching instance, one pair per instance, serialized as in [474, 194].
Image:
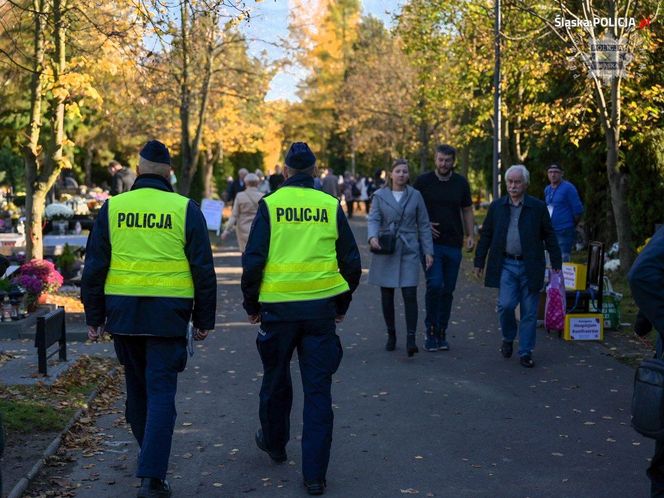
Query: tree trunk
[184, 184]
[195, 148]
[520, 151]
[56, 156]
[31, 151]
[41, 179]
[212, 157]
[618, 185]
[87, 163]
[35, 202]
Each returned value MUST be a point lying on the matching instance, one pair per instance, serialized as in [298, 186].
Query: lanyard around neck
[552, 195]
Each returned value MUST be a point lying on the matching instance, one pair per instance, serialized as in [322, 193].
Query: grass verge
[42, 408]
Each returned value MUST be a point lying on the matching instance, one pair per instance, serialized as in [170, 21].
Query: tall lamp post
[497, 118]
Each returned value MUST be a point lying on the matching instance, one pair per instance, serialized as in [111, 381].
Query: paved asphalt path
[463, 423]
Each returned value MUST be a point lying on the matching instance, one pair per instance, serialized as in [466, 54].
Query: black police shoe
[154, 488]
[316, 487]
[277, 456]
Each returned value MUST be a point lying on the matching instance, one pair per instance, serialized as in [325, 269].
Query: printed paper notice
[212, 211]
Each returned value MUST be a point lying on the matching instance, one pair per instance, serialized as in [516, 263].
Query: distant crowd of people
[354, 191]
[431, 222]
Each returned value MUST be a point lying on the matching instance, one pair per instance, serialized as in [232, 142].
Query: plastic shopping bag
[554, 310]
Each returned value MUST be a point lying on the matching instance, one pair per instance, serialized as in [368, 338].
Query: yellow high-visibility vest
[302, 260]
[147, 232]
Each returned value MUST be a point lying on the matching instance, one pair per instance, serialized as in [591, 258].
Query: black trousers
[319, 354]
[410, 304]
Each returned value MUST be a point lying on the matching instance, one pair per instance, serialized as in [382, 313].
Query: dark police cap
[554, 167]
[156, 152]
[300, 156]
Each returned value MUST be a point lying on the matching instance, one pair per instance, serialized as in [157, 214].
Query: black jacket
[255, 258]
[157, 316]
[122, 181]
[536, 233]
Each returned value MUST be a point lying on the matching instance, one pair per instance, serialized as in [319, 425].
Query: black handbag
[388, 240]
[388, 243]
[648, 399]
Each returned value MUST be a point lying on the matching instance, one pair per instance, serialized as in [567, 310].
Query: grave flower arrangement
[57, 211]
[38, 277]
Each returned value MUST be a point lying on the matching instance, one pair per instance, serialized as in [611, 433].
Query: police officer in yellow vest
[301, 265]
[148, 271]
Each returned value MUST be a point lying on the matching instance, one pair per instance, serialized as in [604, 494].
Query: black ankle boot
[411, 346]
[154, 488]
[391, 340]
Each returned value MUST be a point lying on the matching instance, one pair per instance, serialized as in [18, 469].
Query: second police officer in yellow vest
[301, 265]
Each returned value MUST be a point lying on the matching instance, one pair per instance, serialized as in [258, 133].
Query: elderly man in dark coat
[515, 233]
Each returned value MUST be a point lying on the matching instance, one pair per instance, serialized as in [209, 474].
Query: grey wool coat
[401, 268]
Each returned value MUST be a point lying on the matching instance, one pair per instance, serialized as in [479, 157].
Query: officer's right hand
[95, 333]
[339, 318]
[253, 319]
[200, 334]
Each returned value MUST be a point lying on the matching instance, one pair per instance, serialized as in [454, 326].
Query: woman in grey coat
[400, 209]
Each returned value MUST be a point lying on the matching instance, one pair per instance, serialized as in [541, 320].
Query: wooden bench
[51, 329]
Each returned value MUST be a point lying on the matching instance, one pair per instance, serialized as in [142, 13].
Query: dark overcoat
[536, 234]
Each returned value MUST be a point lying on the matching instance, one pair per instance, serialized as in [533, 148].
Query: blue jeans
[151, 366]
[441, 281]
[566, 239]
[514, 290]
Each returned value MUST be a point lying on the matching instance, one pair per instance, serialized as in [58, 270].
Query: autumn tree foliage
[86, 82]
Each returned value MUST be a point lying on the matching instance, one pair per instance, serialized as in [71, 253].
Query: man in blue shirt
[565, 209]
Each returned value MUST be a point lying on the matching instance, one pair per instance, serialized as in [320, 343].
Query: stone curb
[23, 483]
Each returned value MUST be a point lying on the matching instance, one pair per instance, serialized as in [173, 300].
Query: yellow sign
[575, 275]
[584, 327]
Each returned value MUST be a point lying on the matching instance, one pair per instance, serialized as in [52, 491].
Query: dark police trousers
[151, 366]
[319, 353]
